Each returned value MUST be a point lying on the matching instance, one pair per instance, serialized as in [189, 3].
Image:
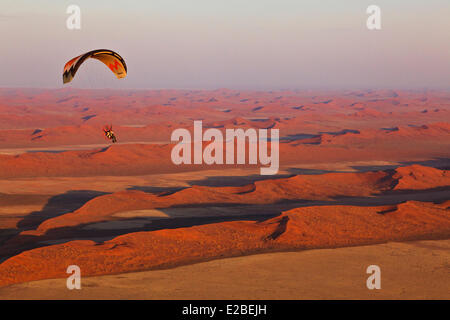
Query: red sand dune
[417, 177]
[302, 228]
[316, 128]
[137, 159]
[32, 118]
[33, 108]
[300, 187]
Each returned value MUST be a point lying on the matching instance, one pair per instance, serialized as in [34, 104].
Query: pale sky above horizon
[238, 44]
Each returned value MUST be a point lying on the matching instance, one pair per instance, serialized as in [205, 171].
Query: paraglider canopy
[110, 58]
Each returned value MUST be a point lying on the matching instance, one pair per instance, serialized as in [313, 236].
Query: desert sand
[409, 270]
[357, 168]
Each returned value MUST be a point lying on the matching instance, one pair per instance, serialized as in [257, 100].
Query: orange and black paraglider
[110, 58]
[109, 133]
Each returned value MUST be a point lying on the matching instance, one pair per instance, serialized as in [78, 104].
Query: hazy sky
[254, 44]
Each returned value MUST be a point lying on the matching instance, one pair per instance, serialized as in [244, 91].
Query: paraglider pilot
[110, 134]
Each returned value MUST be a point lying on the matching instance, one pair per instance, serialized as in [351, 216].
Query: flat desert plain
[363, 180]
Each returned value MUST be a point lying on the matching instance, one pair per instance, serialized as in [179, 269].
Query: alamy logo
[374, 20]
[374, 281]
[213, 153]
[73, 22]
[74, 280]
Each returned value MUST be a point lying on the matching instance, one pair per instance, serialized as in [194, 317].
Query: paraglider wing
[110, 58]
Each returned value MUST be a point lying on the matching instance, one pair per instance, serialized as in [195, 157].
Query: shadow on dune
[58, 205]
[310, 138]
[234, 181]
[341, 132]
[5, 234]
[438, 163]
[160, 191]
[205, 214]
[106, 230]
[101, 234]
[302, 171]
